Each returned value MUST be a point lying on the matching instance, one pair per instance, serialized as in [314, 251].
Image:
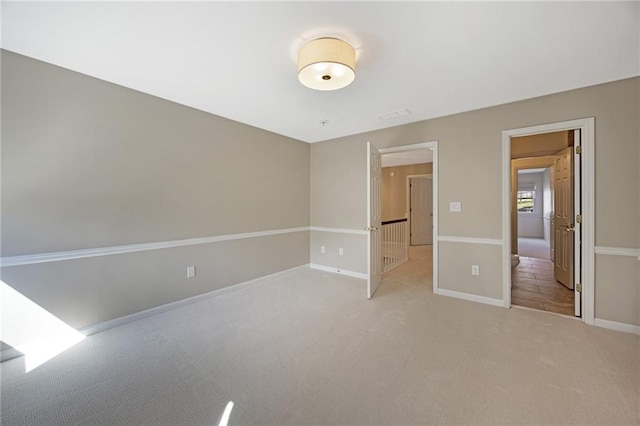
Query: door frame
[408, 192]
[433, 146]
[587, 192]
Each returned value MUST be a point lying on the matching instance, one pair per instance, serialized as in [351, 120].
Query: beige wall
[89, 164]
[537, 145]
[394, 188]
[618, 297]
[471, 142]
[84, 292]
[351, 244]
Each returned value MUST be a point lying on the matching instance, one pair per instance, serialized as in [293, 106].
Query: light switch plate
[191, 271]
[455, 206]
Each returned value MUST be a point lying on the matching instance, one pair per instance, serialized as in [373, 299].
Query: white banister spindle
[395, 245]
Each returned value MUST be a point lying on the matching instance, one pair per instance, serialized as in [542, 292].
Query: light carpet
[534, 247]
[307, 347]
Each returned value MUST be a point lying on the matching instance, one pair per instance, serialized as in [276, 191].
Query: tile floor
[534, 286]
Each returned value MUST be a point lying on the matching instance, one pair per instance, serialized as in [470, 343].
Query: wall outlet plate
[191, 271]
[475, 269]
[455, 206]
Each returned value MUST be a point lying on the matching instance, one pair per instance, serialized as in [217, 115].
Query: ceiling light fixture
[326, 64]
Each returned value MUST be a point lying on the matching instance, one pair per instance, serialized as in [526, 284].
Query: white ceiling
[238, 59]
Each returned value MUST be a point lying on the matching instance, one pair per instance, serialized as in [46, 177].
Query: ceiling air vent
[394, 114]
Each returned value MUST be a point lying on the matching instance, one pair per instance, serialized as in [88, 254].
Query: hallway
[417, 271]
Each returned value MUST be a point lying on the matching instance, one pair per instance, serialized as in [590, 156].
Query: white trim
[618, 326]
[470, 240]
[339, 230]
[436, 229]
[339, 271]
[587, 132]
[506, 219]
[526, 308]
[131, 248]
[97, 328]
[10, 353]
[470, 297]
[404, 148]
[618, 251]
[116, 322]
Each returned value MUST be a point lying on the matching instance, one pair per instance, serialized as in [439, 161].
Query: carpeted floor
[534, 247]
[309, 348]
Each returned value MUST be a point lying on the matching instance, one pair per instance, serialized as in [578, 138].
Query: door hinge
[579, 149]
[579, 218]
[579, 287]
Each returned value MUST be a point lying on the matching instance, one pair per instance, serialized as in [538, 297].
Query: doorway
[577, 225]
[411, 152]
[537, 184]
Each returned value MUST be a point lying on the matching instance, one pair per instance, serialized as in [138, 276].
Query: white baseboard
[618, 326]
[470, 297]
[97, 328]
[339, 271]
[10, 353]
[106, 325]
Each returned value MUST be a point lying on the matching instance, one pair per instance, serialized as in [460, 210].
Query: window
[525, 201]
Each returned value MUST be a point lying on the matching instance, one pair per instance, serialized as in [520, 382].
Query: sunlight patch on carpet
[32, 330]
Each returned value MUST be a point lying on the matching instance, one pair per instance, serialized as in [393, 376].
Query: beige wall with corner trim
[470, 155]
[89, 164]
[394, 188]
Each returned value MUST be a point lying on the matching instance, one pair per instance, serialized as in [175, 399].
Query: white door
[563, 226]
[374, 219]
[421, 210]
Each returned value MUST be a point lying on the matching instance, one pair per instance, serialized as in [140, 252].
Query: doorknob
[370, 228]
[570, 227]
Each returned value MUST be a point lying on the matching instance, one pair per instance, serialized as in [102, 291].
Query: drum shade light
[326, 64]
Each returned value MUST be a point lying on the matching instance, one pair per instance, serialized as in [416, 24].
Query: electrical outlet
[475, 269]
[322, 249]
[455, 206]
[191, 271]
[341, 251]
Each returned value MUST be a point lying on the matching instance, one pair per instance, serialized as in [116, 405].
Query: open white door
[563, 226]
[374, 219]
[567, 218]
